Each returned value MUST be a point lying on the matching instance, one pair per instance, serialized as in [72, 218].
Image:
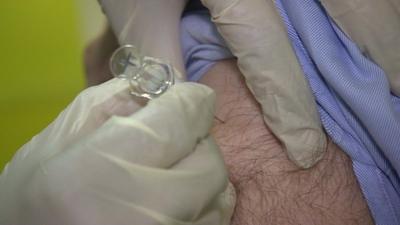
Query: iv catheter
[148, 77]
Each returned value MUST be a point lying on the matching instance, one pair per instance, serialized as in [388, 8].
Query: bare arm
[271, 190]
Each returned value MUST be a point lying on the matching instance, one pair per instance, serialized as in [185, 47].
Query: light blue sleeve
[201, 44]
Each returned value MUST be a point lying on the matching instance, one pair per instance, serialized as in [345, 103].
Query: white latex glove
[255, 34]
[99, 164]
[150, 25]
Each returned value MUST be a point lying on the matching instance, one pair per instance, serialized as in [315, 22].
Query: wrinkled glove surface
[108, 160]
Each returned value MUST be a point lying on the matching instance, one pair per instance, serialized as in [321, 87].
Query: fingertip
[307, 152]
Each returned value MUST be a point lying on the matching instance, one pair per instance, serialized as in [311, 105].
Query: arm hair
[271, 189]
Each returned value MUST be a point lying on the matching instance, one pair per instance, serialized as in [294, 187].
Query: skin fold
[270, 188]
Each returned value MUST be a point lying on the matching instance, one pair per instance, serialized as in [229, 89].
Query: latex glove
[375, 27]
[256, 36]
[151, 25]
[99, 164]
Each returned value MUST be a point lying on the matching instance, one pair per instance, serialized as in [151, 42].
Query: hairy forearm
[270, 189]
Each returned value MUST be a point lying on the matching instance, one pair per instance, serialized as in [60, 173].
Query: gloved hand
[256, 35]
[106, 160]
[150, 25]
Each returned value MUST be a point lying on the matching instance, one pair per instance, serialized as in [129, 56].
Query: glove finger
[273, 74]
[150, 25]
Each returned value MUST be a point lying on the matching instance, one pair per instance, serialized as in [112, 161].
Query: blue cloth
[352, 93]
[355, 104]
[201, 44]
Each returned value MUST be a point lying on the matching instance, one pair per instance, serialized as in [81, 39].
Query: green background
[40, 65]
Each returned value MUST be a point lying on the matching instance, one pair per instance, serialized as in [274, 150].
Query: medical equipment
[148, 77]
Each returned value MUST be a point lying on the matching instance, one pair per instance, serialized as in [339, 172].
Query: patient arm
[270, 189]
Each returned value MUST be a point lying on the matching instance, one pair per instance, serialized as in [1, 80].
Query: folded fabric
[375, 27]
[352, 93]
[356, 107]
[201, 43]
